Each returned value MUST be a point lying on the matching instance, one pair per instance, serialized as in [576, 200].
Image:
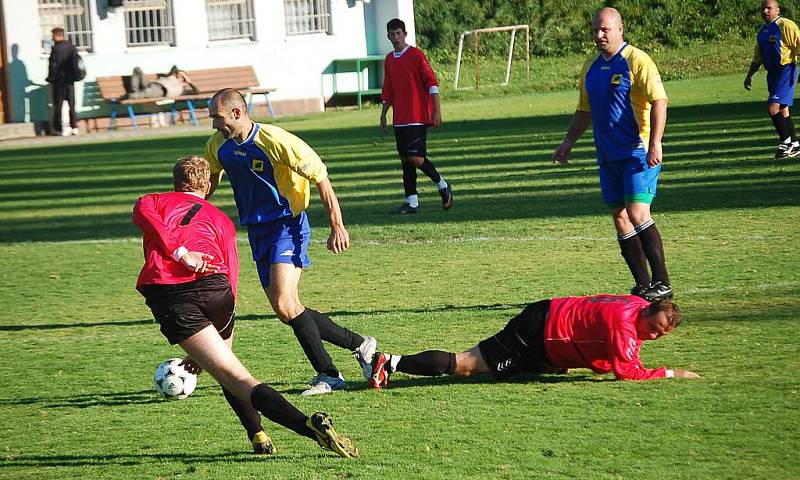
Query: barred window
[149, 22]
[229, 19]
[306, 16]
[72, 16]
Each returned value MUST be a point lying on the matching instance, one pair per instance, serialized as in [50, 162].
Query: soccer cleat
[639, 290]
[262, 444]
[787, 150]
[364, 354]
[447, 196]
[407, 209]
[327, 438]
[379, 377]
[658, 291]
[324, 384]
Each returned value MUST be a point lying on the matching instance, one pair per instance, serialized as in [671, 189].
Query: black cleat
[262, 444]
[787, 150]
[322, 426]
[639, 290]
[447, 196]
[406, 209]
[658, 291]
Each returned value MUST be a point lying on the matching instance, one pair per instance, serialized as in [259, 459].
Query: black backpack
[78, 68]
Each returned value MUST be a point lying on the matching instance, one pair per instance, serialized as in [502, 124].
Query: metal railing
[230, 19]
[71, 15]
[149, 22]
[307, 16]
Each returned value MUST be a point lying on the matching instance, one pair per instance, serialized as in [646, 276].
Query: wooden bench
[209, 81]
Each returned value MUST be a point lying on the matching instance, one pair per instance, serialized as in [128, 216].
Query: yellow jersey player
[622, 97]
[777, 47]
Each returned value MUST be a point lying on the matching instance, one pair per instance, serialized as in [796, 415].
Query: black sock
[654, 250]
[248, 416]
[429, 170]
[630, 246]
[307, 333]
[790, 124]
[781, 126]
[275, 407]
[409, 177]
[334, 333]
[430, 363]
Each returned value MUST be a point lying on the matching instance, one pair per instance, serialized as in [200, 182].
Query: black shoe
[787, 150]
[658, 291]
[406, 209]
[639, 290]
[447, 196]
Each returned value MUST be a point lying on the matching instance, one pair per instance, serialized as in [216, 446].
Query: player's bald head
[229, 98]
[608, 15]
[770, 10]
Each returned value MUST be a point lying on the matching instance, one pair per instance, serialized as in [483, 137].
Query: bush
[559, 27]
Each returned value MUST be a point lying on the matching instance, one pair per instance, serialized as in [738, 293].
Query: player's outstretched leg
[430, 363]
[322, 426]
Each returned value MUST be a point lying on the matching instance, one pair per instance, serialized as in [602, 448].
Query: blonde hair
[191, 174]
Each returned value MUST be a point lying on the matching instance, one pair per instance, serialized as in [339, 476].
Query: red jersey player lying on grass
[603, 333]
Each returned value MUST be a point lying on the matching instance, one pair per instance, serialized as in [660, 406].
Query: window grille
[306, 16]
[230, 19]
[149, 22]
[72, 16]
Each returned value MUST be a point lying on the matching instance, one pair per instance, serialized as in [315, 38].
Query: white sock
[393, 361]
[442, 183]
[787, 140]
[413, 201]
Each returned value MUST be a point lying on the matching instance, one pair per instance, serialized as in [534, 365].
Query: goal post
[476, 45]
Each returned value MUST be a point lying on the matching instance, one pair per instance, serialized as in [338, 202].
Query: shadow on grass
[403, 381]
[251, 317]
[500, 169]
[112, 399]
[182, 459]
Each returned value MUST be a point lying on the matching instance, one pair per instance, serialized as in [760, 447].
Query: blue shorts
[281, 241]
[780, 83]
[628, 181]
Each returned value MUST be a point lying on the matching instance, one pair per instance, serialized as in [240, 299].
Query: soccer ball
[173, 381]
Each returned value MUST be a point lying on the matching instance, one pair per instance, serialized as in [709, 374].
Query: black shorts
[412, 140]
[519, 347]
[186, 308]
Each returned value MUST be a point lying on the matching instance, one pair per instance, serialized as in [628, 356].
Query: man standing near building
[411, 89]
[602, 332]
[622, 97]
[189, 280]
[777, 47]
[61, 76]
[270, 170]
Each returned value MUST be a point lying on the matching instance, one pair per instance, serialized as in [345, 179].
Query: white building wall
[292, 64]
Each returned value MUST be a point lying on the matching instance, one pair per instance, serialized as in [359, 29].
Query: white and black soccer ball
[173, 381]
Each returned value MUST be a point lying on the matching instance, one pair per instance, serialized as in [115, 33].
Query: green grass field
[79, 346]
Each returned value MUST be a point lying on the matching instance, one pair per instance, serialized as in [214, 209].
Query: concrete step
[10, 131]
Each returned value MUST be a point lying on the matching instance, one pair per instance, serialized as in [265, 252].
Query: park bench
[208, 81]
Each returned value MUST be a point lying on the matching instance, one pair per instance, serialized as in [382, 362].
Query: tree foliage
[558, 27]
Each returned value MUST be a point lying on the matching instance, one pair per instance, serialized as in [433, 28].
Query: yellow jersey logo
[616, 79]
[258, 166]
[773, 39]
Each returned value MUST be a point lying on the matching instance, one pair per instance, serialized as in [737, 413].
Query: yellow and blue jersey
[619, 92]
[777, 43]
[270, 172]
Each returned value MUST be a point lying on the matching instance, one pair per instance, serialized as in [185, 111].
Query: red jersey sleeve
[625, 357]
[150, 222]
[387, 93]
[428, 77]
[231, 254]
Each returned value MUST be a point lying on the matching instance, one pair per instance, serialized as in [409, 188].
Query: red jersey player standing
[189, 281]
[603, 333]
[411, 89]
